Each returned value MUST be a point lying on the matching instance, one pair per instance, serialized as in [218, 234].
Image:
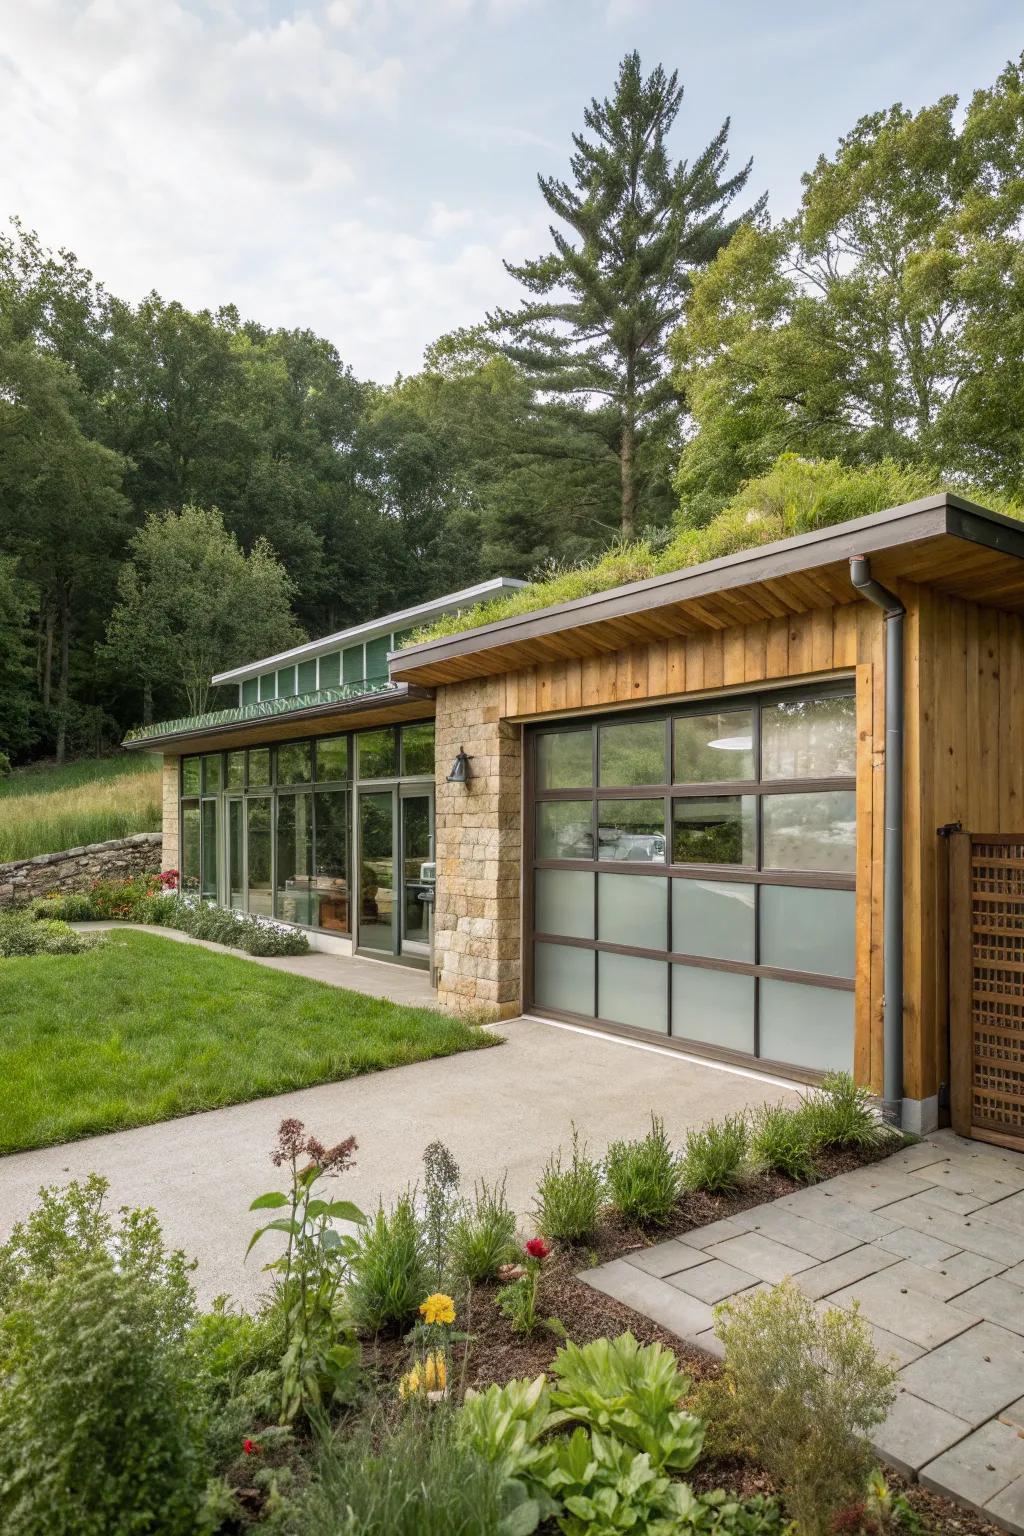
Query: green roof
[269, 709]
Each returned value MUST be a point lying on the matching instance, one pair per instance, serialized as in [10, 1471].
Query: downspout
[892, 866]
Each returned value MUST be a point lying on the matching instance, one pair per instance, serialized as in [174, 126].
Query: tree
[886, 319]
[594, 336]
[17, 696]
[191, 603]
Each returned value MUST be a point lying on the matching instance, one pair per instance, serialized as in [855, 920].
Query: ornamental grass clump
[781, 1142]
[644, 1178]
[483, 1235]
[840, 1114]
[390, 1271]
[715, 1156]
[568, 1198]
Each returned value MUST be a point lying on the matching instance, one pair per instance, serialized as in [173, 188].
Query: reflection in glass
[259, 767]
[716, 1007]
[563, 978]
[286, 683]
[814, 831]
[377, 659]
[632, 753]
[294, 763]
[377, 757]
[633, 909]
[261, 896]
[565, 830]
[330, 867]
[236, 843]
[807, 1026]
[211, 774]
[417, 868]
[376, 871]
[632, 991]
[190, 775]
[418, 748]
[190, 847]
[565, 760]
[715, 747]
[714, 829]
[236, 770]
[295, 858]
[564, 903]
[631, 829]
[809, 739]
[209, 850]
[332, 758]
[807, 930]
[713, 918]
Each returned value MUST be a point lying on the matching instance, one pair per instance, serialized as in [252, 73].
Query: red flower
[537, 1248]
[250, 1448]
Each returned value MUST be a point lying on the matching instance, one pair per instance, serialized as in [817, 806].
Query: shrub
[69, 907]
[149, 900]
[19, 935]
[715, 1156]
[389, 1274]
[568, 1199]
[483, 1235]
[631, 1391]
[781, 1141]
[803, 1390]
[644, 1178]
[839, 1114]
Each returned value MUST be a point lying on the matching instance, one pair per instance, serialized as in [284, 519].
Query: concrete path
[375, 978]
[498, 1110]
[930, 1243]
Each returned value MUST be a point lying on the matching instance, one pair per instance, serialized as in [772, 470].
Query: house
[705, 809]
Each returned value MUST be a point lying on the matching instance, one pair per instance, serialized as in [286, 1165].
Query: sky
[361, 167]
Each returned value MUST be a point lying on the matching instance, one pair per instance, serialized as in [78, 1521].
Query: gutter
[892, 866]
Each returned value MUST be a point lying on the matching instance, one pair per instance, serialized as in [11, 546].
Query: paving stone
[909, 1314]
[909, 1243]
[915, 1432]
[713, 1281]
[997, 1300]
[978, 1467]
[897, 1351]
[1007, 1508]
[981, 1371]
[665, 1258]
[844, 1270]
[1008, 1212]
[989, 1181]
[971, 1232]
[807, 1236]
[761, 1257]
[1014, 1414]
[923, 1154]
[946, 1278]
[714, 1232]
[683, 1315]
[946, 1196]
[831, 1211]
[1015, 1275]
[710, 1343]
[873, 1187]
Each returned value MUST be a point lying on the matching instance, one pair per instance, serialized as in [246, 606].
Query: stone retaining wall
[75, 869]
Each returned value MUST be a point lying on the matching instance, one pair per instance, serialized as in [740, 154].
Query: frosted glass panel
[714, 747]
[815, 831]
[632, 753]
[716, 1007]
[563, 978]
[632, 909]
[565, 760]
[807, 1026]
[565, 829]
[633, 991]
[809, 739]
[713, 918]
[564, 903]
[804, 930]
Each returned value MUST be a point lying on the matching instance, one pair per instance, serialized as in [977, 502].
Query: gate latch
[949, 828]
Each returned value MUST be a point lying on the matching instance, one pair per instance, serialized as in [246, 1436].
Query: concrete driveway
[500, 1110]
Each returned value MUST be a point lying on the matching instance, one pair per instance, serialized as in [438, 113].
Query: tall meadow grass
[45, 809]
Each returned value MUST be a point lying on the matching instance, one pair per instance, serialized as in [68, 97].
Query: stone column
[170, 855]
[477, 918]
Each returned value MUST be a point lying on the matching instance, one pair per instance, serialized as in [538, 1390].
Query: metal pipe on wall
[892, 865]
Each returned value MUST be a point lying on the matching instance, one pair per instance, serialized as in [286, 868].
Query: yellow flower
[438, 1308]
[410, 1382]
[430, 1376]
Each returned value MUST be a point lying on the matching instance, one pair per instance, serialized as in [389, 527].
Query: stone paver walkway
[930, 1243]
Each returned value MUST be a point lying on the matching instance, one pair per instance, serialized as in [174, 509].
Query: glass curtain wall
[693, 874]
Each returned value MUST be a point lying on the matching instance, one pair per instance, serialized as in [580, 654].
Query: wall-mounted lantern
[460, 769]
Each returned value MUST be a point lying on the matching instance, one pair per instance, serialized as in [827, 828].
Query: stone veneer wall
[75, 869]
[169, 791]
[477, 919]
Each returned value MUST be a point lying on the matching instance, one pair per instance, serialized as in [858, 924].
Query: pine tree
[593, 340]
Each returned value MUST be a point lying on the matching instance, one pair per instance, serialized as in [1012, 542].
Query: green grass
[143, 1028]
[44, 808]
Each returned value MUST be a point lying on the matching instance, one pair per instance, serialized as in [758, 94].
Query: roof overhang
[943, 541]
[402, 702]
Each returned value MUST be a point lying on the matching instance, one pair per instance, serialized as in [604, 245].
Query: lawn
[143, 1028]
[45, 808]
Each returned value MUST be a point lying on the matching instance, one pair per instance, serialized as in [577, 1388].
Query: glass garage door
[693, 875]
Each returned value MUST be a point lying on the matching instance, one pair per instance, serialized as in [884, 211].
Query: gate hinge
[949, 828]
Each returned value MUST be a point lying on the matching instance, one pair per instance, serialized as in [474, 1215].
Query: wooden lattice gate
[986, 986]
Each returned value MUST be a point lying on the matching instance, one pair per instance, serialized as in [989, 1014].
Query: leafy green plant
[20, 935]
[483, 1235]
[389, 1272]
[68, 907]
[568, 1199]
[644, 1178]
[632, 1391]
[715, 1156]
[321, 1358]
[881, 1512]
[506, 1425]
[518, 1299]
[781, 1141]
[440, 1200]
[803, 1390]
[723, 1514]
[840, 1114]
[604, 1487]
